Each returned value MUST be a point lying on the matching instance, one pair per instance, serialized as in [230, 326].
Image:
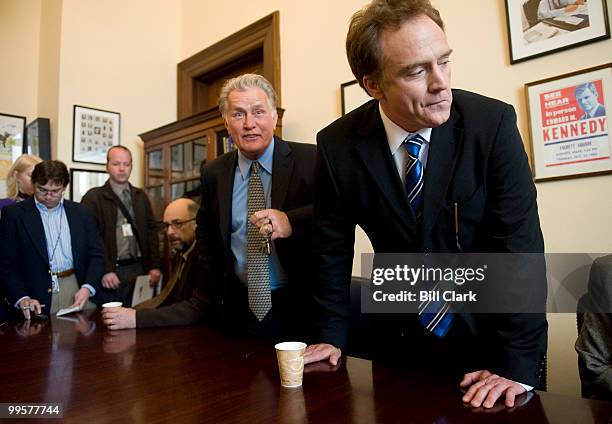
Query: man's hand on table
[119, 318]
[322, 352]
[484, 388]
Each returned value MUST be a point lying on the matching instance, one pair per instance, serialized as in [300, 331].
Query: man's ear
[373, 87]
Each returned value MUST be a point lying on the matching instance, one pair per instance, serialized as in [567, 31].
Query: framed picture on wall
[536, 28]
[81, 180]
[38, 138]
[352, 96]
[12, 128]
[94, 132]
[568, 124]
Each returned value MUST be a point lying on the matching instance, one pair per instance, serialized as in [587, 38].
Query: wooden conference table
[192, 374]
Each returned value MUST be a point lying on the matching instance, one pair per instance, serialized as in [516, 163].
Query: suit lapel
[225, 185]
[75, 232]
[376, 157]
[34, 227]
[282, 167]
[445, 144]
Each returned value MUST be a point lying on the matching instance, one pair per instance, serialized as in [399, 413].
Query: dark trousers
[286, 321]
[127, 275]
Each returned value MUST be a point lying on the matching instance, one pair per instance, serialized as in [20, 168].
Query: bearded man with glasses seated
[180, 227]
[50, 253]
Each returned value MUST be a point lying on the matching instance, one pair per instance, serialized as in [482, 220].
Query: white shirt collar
[396, 134]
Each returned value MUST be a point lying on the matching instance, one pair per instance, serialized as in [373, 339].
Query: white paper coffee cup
[290, 357]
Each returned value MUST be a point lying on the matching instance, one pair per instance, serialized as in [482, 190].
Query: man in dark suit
[128, 229]
[254, 228]
[466, 187]
[50, 252]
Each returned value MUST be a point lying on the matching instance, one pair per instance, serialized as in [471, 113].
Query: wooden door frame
[263, 34]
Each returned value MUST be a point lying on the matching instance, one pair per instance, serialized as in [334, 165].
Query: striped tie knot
[413, 144]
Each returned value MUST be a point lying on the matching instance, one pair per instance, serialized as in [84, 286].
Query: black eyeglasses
[47, 192]
[176, 225]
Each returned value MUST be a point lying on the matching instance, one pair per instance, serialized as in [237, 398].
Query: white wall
[113, 55]
[119, 56]
[19, 35]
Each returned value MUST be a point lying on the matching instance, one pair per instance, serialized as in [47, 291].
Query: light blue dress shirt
[240, 220]
[57, 235]
[58, 240]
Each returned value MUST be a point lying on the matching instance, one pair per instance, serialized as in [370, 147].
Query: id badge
[55, 283]
[126, 229]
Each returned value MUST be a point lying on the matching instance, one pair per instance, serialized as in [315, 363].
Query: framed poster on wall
[538, 27]
[12, 128]
[81, 180]
[568, 124]
[94, 132]
[38, 138]
[352, 96]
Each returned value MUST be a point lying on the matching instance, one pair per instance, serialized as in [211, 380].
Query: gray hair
[243, 83]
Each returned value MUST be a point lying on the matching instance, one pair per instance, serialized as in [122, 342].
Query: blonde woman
[18, 182]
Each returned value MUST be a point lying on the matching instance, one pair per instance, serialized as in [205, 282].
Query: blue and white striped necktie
[435, 315]
[414, 174]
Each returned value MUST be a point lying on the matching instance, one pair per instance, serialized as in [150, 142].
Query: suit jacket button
[48, 290]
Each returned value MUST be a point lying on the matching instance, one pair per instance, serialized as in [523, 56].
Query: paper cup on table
[112, 305]
[290, 357]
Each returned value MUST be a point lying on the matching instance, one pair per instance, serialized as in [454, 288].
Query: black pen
[456, 219]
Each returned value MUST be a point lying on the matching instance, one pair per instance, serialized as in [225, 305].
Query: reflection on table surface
[193, 374]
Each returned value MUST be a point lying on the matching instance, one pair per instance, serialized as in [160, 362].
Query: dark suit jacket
[182, 290]
[594, 343]
[292, 192]
[23, 251]
[477, 160]
[104, 209]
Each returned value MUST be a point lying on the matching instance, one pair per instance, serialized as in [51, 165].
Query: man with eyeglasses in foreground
[50, 253]
[179, 225]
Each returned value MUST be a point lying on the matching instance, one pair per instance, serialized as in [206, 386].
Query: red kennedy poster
[574, 124]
